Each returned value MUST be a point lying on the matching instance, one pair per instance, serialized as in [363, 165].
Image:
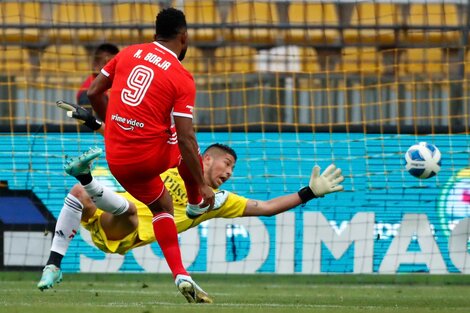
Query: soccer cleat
[81, 165]
[51, 275]
[193, 210]
[191, 291]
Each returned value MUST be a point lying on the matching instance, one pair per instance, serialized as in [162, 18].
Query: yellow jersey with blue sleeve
[233, 207]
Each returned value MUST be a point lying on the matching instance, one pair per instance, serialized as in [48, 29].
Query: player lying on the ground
[120, 233]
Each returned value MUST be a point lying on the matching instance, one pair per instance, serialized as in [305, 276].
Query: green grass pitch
[147, 293]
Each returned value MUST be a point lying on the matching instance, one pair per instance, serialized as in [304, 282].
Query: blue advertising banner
[386, 221]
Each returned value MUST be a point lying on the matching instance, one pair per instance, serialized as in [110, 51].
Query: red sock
[167, 237]
[191, 188]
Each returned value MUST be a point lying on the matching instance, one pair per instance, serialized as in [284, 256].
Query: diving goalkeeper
[121, 233]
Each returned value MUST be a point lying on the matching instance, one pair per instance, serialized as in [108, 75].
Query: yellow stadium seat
[203, 18]
[373, 15]
[136, 21]
[77, 22]
[309, 60]
[310, 21]
[14, 60]
[195, 61]
[422, 61]
[67, 60]
[361, 60]
[235, 59]
[17, 15]
[437, 15]
[252, 22]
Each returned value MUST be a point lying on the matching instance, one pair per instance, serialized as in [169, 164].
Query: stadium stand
[14, 60]
[77, 23]
[203, 19]
[382, 20]
[19, 20]
[195, 62]
[63, 59]
[253, 23]
[360, 59]
[313, 24]
[309, 60]
[258, 23]
[420, 61]
[134, 21]
[234, 59]
[429, 22]
[332, 36]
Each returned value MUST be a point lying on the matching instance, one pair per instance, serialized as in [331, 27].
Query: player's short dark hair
[169, 23]
[222, 147]
[107, 47]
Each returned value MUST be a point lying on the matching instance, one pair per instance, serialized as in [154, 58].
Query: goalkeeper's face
[218, 168]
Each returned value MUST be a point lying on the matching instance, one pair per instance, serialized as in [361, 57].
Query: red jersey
[149, 84]
[84, 88]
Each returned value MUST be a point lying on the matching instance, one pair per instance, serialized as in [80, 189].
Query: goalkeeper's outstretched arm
[320, 185]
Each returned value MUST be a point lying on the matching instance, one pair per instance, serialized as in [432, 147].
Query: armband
[306, 194]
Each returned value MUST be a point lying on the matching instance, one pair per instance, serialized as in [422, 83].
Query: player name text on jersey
[154, 59]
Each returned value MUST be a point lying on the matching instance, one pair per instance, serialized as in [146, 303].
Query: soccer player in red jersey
[102, 55]
[149, 88]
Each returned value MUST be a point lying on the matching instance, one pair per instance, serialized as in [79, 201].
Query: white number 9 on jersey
[138, 83]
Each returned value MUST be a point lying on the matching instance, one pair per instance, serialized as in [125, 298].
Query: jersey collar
[166, 49]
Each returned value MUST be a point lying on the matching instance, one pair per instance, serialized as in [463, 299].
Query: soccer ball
[423, 160]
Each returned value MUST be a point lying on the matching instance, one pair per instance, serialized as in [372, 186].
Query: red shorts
[142, 180]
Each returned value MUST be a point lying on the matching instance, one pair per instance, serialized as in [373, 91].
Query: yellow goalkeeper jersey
[233, 207]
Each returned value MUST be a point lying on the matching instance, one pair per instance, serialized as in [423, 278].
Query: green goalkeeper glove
[323, 184]
[80, 114]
